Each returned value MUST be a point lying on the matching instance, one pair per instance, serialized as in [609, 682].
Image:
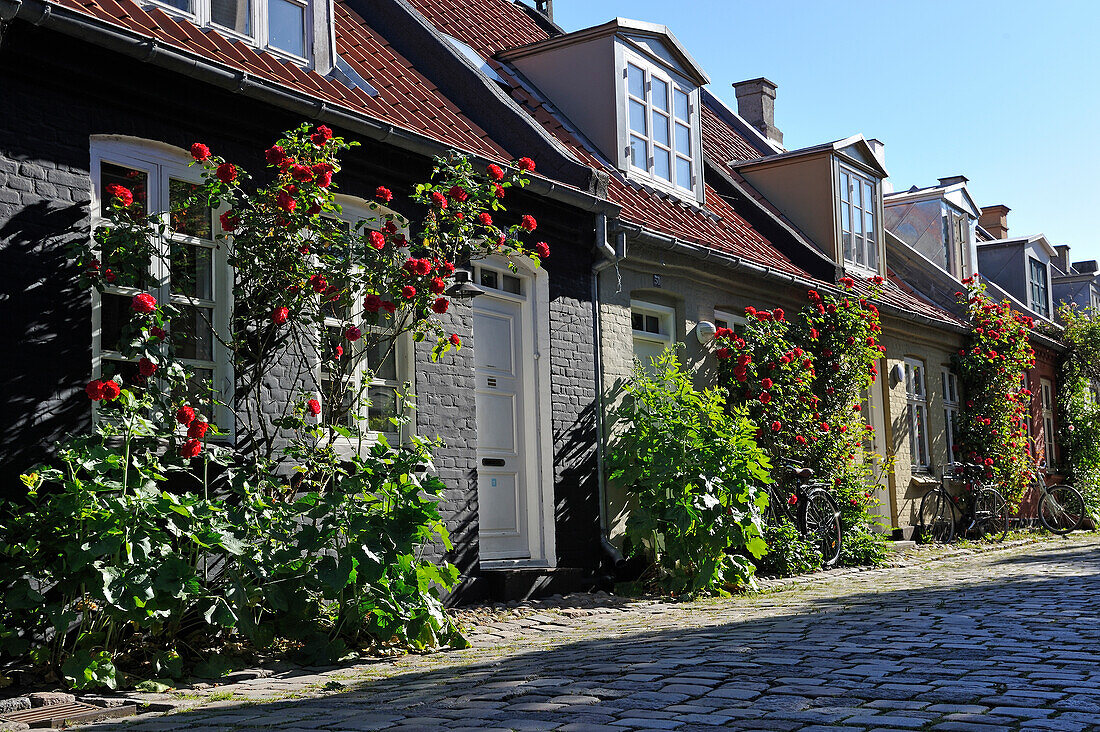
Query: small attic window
[662, 145]
[476, 59]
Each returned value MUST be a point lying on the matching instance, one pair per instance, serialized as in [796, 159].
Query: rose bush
[1079, 409]
[154, 545]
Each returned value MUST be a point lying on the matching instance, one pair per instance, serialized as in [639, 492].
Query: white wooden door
[502, 434]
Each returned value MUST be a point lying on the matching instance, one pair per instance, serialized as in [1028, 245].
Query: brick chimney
[952, 180]
[994, 219]
[756, 105]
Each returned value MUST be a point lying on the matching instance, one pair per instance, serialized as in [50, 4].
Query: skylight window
[476, 59]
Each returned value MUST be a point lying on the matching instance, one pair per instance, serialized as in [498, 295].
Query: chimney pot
[994, 219]
[952, 180]
[546, 7]
[756, 105]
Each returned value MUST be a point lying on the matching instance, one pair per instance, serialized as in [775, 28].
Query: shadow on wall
[826, 637]
[576, 491]
[46, 340]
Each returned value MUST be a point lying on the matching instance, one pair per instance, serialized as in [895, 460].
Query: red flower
[527, 165]
[146, 367]
[314, 407]
[280, 315]
[157, 332]
[766, 384]
[318, 283]
[372, 303]
[197, 429]
[542, 249]
[499, 190]
[109, 275]
[800, 439]
[383, 194]
[764, 397]
[185, 415]
[301, 173]
[389, 307]
[321, 136]
[750, 310]
[229, 221]
[353, 333]
[458, 193]
[94, 390]
[495, 172]
[408, 292]
[324, 178]
[439, 199]
[437, 285]
[440, 305]
[776, 426]
[377, 239]
[275, 155]
[528, 222]
[778, 314]
[143, 303]
[286, 201]
[723, 353]
[423, 267]
[190, 449]
[123, 194]
[792, 500]
[485, 219]
[824, 426]
[111, 390]
[199, 151]
[227, 173]
[339, 352]
[847, 281]
[455, 340]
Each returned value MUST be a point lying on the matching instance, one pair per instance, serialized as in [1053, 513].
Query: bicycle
[1061, 507]
[986, 512]
[812, 510]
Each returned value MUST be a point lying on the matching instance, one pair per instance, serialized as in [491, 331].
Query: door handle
[493, 462]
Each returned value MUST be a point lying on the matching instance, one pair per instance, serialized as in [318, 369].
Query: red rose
[199, 151]
[766, 384]
[227, 173]
[389, 307]
[776, 426]
[109, 275]
[94, 390]
[301, 173]
[423, 267]
[111, 390]
[408, 292]
[314, 209]
[439, 199]
[778, 314]
[275, 155]
[764, 397]
[190, 449]
[338, 351]
[458, 193]
[197, 429]
[314, 407]
[123, 194]
[498, 190]
[527, 165]
[185, 415]
[229, 221]
[372, 303]
[800, 440]
[542, 249]
[440, 305]
[792, 499]
[437, 285]
[324, 178]
[286, 201]
[353, 333]
[485, 219]
[377, 239]
[455, 340]
[143, 303]
[156, 332]
[528, 222]
[280, 315]
[723, 353]
[495, 172]
[383, 194]
[321, 136]
[146, 367]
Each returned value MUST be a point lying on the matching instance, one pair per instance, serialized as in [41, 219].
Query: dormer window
[660, 119]
[858, 220]
[1037, 287]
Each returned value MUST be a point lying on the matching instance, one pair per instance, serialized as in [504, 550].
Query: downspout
[609, 256]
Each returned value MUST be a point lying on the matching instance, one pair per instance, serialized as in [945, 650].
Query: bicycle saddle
[802, 473]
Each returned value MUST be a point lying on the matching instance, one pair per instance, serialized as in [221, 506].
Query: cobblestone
[972, 643]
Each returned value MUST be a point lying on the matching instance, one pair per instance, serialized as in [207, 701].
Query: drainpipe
[609, 256]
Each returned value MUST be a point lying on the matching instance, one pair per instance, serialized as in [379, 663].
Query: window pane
[661, 163]
[194, 220]
[137, 181]
[287, 26]
[513, 285]
[198, 390]
[869, 224]
[637, 117]
[115, 313]
[659, 91]
[635, 81]
[848, 253]
[868, 196]
[234, 14]
[683, 173]
[872, 254]
[857, 221]
[845, 217]
[192, 271]
[845, 187]
[184, 5]
[489, 279]
[192, 335]
[652, 324]
[681, 104]
[383, 370]
[637, 321]
[383, 406]
[660, 128]
[637, 152]
[683, 139]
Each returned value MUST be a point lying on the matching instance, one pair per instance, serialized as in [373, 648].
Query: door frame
[535, 359]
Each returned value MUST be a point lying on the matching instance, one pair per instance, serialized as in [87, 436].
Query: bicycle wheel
[936, 518]
[821, 525]
[990, 513]
[1062, 509]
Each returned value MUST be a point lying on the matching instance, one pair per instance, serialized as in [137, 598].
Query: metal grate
[62, 715]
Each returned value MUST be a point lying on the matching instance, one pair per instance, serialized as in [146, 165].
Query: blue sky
[1006, 93]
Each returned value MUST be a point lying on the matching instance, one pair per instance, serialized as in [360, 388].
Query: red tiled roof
[721, 143]
[405, 98]
[489, 26]
[906, 298]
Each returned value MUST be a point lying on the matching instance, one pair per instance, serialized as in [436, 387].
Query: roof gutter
[149, 50]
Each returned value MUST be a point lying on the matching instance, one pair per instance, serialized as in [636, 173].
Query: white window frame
[917, 404]
[352, 211]
[1035, 265]
[726, 319]
[868, 242]
[949, 381]
[161, 163]
[1046, 392]
[648, 174]
[666, 319]
[201, 15]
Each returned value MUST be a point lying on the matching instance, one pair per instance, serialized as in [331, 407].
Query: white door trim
[535, 324]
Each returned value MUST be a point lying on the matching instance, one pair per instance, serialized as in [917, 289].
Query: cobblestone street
[999, 640]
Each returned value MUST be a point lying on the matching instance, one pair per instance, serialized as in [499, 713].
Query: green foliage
[788, 553]
[1079, 410]
[694, 473]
